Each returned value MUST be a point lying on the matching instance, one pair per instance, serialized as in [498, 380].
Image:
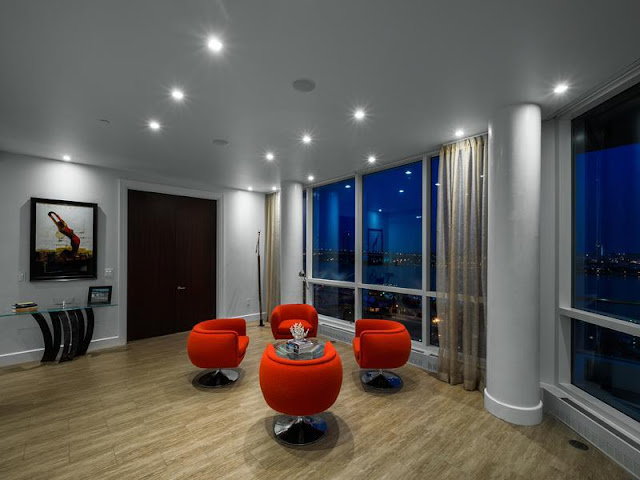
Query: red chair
[381, 344]
[300, 389]
[219, 344]
[284, 316]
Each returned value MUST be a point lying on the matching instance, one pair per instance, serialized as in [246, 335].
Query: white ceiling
[421, 68]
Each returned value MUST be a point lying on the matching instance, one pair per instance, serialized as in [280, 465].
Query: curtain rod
[469, 137]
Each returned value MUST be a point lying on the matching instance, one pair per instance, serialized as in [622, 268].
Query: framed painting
[64, 238]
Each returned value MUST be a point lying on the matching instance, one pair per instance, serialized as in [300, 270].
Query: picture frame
[64, 240]
[99, 295]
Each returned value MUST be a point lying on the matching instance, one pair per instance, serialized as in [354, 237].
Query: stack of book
[300, 346]
[22, 307]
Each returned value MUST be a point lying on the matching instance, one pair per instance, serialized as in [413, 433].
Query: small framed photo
[99, 295]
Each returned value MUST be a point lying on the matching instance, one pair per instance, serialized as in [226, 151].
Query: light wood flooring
[132, 413]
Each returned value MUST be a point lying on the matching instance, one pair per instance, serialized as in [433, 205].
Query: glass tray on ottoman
[306, 351]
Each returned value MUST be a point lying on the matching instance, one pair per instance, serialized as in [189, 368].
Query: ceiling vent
[304, 85]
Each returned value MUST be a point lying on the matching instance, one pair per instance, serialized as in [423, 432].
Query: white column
[513, 372]
[290, 242]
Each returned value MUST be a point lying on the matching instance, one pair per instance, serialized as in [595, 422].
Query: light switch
[21, 276]
[108, 273]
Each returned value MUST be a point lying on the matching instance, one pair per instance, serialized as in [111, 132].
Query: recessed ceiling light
[269, 156]
[458, 133]
[347, 186]
[359, 114]
[304, 85]
[371, 159]
[400, 191]
[250, 188]
[154, 125]
[311, 178]
[273, 188]
[66, 158]
[177, 94]
[306, 138]
[561, 88]
[214, 44]
[408, 172]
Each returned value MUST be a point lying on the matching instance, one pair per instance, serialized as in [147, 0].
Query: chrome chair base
[382, 380]
[299, 430]
[217, 378]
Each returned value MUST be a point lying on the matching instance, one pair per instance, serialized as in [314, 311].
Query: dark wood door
[171, 263]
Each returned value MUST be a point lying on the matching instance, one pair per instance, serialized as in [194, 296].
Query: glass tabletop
[308, 350]
[7, 312]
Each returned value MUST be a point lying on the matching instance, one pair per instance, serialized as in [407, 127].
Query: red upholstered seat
[381, 344]
[284, 316]
[220, 343]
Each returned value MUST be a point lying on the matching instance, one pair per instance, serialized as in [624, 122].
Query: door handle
[181, 288]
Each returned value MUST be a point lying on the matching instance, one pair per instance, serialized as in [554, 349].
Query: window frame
[565, 212]
[358, 286]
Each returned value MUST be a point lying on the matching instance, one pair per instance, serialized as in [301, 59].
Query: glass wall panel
[433, 323]
[334, 302]
[606, 364]
[606, 208]
[392, 227]
[406, 309]
[334, 209]
[433, 207]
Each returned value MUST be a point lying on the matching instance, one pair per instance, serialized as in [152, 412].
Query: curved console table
[71, 324]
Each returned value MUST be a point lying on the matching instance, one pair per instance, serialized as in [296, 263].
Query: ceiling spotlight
[273, 189]
[359, 114]
[66, 158]
[177, 94]
[458, 133]
[306, 138]
[269, 156]
[561, 88]
[214, 44]
[250, 188]
[311, 178]
[408, 172]
[400, 191]
[371, 159]
[154, 125]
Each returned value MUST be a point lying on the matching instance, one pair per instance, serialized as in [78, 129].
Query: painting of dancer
[63, 240]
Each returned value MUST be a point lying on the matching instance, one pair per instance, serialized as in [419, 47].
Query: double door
[171, 278]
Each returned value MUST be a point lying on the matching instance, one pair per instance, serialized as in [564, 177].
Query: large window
[334, 211]
[392, 227]
[605, 362]
[406, 309]
[606, 268]
[334, 302]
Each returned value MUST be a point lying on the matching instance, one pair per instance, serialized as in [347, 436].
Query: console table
[73, 324]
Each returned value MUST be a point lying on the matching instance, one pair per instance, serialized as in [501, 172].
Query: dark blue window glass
[606, 208]
[606, 364]
[435, 164]
[392, 227]
[334, 302]
[406, 309]
[334, 209]
[433, 323]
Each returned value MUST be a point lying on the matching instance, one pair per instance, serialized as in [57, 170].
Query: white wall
[23, 177]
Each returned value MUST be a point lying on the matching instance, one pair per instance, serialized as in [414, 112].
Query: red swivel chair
[381, 344]
[219, 344]
[300, 389]
[284, 316]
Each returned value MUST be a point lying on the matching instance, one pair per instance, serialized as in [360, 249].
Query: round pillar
[512, 392]
[291, 242]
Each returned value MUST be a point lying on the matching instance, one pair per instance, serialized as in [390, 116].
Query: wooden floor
[132, 413]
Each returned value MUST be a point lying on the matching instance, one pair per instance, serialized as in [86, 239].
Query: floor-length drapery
[461, 267]
[272, 252]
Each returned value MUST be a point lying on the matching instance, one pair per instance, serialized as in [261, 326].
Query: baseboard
[252, 317]
[424, 360]
[603, 437]
[27, 356]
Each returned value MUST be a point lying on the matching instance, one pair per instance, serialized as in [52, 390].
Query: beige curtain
[272, 252]
[461, 266]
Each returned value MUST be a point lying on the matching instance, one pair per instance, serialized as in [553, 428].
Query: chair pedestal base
[299, 430]
[382, 380]
[217, 378]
